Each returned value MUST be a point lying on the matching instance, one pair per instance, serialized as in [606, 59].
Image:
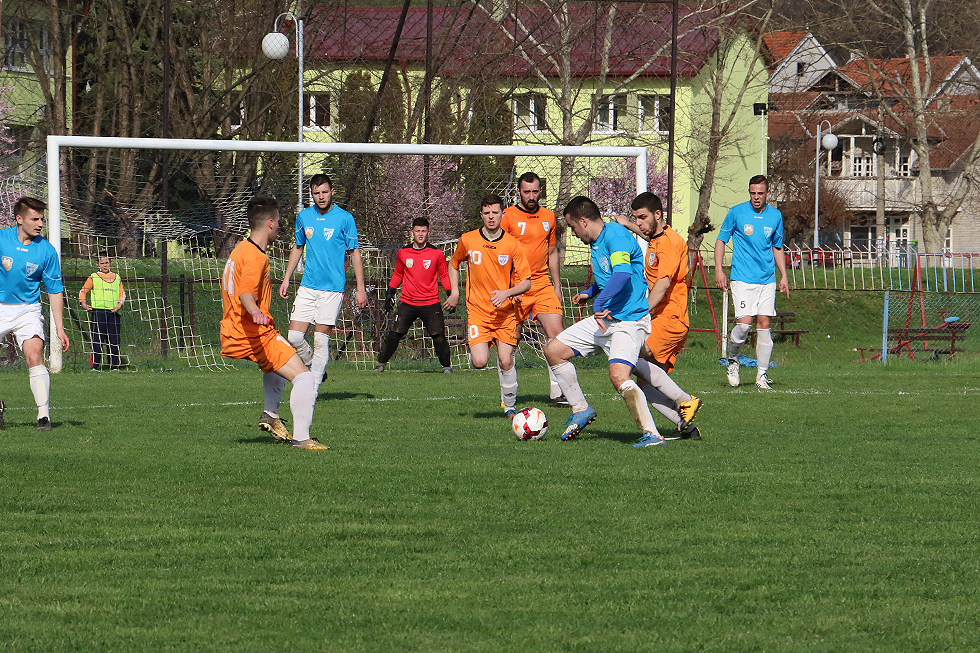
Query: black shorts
[431, 315]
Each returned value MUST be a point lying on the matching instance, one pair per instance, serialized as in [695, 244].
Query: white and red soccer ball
[530, 424]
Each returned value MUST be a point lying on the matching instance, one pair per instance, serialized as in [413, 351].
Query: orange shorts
[538, 301]
[504, 331]
[667, 336]
[267, 348]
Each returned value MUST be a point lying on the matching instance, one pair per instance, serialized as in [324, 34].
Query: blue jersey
[616, 250]
[327, 238]
[755, 236]
[23, 267]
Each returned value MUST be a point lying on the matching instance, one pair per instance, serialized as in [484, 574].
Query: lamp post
[275, 45]
[829, 142]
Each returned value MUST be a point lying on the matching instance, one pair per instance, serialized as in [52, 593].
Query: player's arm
[122, 297]
[453, 299]
[658, 291]
[83, 293]
[57, 301]
[631, 225]
[360, 295]
[554, 268]
[252, 308]
[498, 297]
[519, 270]
[781, 266]
[720, 279]
[396, 280]
[442, 270]
[295, 254]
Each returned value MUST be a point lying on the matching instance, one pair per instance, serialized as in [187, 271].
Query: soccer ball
[530, 424]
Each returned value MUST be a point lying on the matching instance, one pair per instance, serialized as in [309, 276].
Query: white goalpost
[402, 157]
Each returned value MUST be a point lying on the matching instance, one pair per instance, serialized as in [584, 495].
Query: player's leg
[39, 379]
[327, 310]
[576, 340]
[480, 354]
[636, 402]
[270, 421]
[405, 315]
[434, 323]
[301, 401]
[687, 404]
[115, 329]
[552, 324]
[763, 345]
[98, 336]
[297, 339]
[507, 373]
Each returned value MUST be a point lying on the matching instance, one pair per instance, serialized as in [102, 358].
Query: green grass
[837, 513]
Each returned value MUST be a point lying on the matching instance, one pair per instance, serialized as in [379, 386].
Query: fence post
[884, 333]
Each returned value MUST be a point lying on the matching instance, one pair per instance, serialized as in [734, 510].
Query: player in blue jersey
[619, 325]
[756, 232]
[27, 260]
[326, 233]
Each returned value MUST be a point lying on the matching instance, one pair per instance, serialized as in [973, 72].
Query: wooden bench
[900, 340]
[778, 327]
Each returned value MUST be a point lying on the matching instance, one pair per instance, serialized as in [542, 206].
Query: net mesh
[932, 325]
[111, 203]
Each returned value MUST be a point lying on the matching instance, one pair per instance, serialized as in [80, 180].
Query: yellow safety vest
[105, 294]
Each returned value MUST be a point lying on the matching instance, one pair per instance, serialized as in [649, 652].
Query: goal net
[106, 197]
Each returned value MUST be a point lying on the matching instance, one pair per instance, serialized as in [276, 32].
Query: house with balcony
[874, 165]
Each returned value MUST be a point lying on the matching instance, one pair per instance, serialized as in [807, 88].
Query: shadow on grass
[344, 395]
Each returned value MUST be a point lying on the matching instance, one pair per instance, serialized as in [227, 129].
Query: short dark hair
[528, 178]
[490, 200]
[320, 179]
[420, 222]
[648, 201]
[103, 254]
[759, 179]
[582, 207]
[260, 209]
[30, 203]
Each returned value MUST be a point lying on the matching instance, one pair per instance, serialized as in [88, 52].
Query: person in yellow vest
[108, 296]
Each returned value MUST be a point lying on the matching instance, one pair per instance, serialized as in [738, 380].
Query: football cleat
[447, 370]
[762, 382]
[310, 443]
[688, 410]
[733, 372]
[275, 428]
[44, 424]
[3, 407]
[558, 402]
[379, 368]
[650, 440]
[578, 421]
[691, 433]
[510, 412]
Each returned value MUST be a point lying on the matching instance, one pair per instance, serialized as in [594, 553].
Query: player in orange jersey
[665, 267]
[496, 271]
[247, 329]
[534, 226]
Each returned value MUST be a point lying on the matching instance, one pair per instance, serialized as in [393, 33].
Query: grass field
[837, 513]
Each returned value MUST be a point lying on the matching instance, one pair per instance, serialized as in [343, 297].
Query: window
[948, 242]
[904, 169]
[864, 166]
[19, 38]
[655, 114]
[237, 118]
[800, 69]
[530, 112]
[316, 111]
[610, 112]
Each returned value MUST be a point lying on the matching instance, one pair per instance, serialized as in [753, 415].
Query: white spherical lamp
[829, 141]
[276, 46]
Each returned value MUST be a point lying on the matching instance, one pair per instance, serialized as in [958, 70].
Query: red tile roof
[779, 45]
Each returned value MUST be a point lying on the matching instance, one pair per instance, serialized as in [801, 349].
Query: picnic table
[781, 324]
[916, 340]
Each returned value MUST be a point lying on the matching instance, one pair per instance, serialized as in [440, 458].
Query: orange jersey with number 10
[536, 233]
[491, 265]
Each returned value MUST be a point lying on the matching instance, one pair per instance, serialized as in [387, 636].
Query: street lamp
[829, 142]
[275, 45]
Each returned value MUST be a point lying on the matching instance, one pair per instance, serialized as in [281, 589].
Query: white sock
[664, 405]
[301, 400]
[298, 340]
[40, 382]
[272, 385]
[659, 379]
[637, 405]
[321, 354]
[763, 349]
[739, 335]
[554, 390]
[508, 386]
[567, 378]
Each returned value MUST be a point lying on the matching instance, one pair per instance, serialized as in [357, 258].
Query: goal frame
[55, 143]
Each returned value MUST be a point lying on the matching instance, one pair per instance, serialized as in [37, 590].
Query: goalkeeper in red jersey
[420, 268]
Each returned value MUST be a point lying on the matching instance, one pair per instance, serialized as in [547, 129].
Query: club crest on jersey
[31, 268]
[748, 230]
[309, 231]
[604, 264]
[503, 258]
[328, 232]
[767, 231]
[409, 262]
[426, 264]
[546, 226]
[8, 263]
[652, 257]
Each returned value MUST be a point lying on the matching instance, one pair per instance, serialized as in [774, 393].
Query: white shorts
[317, 306]
[23, 320]
[753, 299]
[621, 342]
